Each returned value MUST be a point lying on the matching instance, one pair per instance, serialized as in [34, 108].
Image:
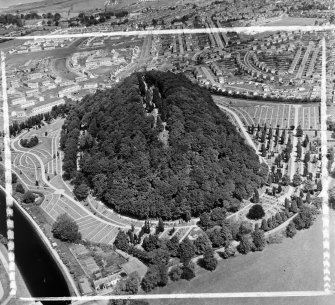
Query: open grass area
[280, 267]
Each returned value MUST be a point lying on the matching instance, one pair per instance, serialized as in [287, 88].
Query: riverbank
[66, 274]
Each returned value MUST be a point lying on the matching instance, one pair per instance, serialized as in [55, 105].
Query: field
[287, 21]
[289, 261]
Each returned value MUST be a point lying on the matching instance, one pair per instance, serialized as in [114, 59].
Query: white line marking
[8, 178]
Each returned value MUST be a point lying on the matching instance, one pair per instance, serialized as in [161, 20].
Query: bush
[256, 212]
[175, 273]
[66, 229]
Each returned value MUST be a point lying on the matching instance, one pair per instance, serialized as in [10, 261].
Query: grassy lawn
[294, 265]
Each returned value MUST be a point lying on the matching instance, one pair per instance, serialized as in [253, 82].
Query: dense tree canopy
[203, 164]
[65, 228]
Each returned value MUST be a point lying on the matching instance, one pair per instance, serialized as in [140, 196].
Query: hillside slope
[141, 168]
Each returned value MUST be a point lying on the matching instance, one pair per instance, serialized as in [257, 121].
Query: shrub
[256, 212]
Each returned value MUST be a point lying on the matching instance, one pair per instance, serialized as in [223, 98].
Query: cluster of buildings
[41, 44]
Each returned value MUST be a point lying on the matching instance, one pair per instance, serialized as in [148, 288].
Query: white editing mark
[325, 208]
[246, 30]
[8, 180]
[324, 173]
[269, 294]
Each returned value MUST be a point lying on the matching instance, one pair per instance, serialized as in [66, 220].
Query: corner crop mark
[8, 180]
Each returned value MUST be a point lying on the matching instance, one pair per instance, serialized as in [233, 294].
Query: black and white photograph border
[327, 281]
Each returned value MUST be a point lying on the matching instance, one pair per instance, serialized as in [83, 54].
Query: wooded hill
[203, 163]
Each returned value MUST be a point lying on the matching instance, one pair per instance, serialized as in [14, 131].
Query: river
[38, 268]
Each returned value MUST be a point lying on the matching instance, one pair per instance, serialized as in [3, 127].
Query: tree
[296, 179]
[299, 131]
[175, 273]
[263, 150]
[209, 262]
[245, 228]
[205, 221]
[287, 204]
[150, 243]
[81, 191]
[305, 218]
[188, 272]
[121, 241]
[220, 237]
[299, 150]
[173, 245]
[245, 245]
[309, 185]
[28, 197]
[256, 196]
[151, 278]
[291, 230]
[19, 188]
[66, 229]
[264, 225]
[258, 239]
[14, 178]
[294, 207]
[160, 226]
[186, 251]
[202, 243]
[256, 212]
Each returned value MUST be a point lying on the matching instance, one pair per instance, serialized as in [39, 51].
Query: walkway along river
[38, 268]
